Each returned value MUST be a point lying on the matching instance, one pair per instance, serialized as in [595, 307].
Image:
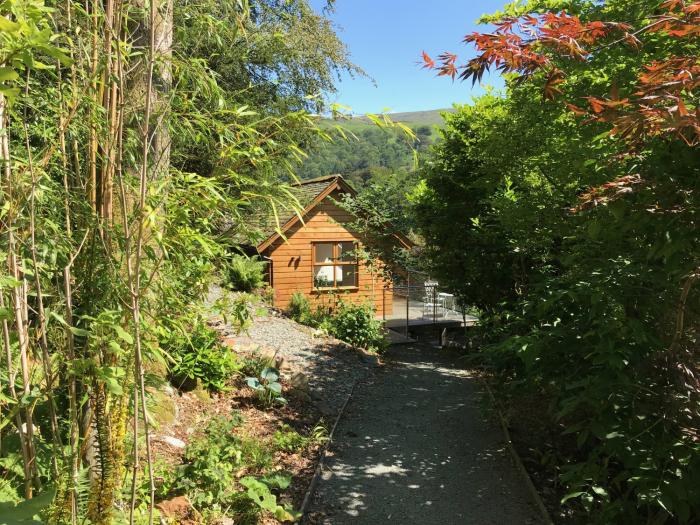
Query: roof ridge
[323, 178]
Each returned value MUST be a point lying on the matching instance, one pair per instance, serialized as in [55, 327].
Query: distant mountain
[418, 118]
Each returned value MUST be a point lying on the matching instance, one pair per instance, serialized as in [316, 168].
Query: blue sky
[386, 37]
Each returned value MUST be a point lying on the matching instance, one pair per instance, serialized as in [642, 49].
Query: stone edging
[516, 458]
[319, 466]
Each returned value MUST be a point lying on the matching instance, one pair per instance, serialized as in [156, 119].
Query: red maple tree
[664, 102]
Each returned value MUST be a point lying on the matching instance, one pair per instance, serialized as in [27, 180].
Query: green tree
[578, 246]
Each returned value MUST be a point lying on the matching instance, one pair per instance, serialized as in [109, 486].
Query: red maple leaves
[605, 193]
[665, 100]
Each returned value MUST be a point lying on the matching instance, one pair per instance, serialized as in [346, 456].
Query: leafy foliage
[289, 440]
[299, 309]
[209, 474]
[267, 387]
[353, 323]
[27, 511]
[199, 356]
[254, 364]
[356, 324]
[260, 493]
[580, 247]
[365, 150]
[131, 133]
[288, 52]
[246, 274]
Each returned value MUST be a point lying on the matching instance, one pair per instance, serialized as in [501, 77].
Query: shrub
[289, 440]
[259, 492]
[210, 463]
[254, 364]
[198, 355]
[355, 324]
[235, 310]
[299, 308]
[246, 274]
[301, 311]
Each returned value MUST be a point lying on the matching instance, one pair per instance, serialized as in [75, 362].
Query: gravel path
[415, 447]
[329, 366]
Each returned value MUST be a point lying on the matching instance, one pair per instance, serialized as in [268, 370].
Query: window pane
[323, 276]
[347, 251]
[324, 252]
[346, 275]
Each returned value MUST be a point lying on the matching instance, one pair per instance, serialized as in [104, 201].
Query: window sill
[338, 289]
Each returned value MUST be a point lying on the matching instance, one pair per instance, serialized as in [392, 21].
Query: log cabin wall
[292, 259]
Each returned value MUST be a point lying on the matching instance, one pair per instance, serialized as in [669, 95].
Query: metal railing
[418, 307]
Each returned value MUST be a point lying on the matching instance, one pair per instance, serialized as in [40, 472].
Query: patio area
[422, 310]
[418, 313]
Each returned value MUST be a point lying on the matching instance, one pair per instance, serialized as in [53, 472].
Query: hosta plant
[267, 387]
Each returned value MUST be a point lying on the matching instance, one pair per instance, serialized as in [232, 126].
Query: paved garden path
[416, 446]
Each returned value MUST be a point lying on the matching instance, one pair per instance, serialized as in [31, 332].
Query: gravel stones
[329, 366]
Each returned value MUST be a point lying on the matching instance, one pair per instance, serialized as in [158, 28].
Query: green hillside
[418, 118]
[369, 149]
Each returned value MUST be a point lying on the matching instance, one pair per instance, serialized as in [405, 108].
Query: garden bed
[317, 373]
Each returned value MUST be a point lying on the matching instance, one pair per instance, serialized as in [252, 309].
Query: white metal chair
[433, 303]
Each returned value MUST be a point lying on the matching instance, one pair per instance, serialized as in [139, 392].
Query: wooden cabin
[314, 252]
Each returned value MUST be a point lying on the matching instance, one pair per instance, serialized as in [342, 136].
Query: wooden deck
[418, 315]
[406, 325]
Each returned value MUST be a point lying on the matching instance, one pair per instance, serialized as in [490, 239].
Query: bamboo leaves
[109, 231]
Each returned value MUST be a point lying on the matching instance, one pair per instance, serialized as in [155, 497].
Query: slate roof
[306, 191]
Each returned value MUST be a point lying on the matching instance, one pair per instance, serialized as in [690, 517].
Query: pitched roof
[307, 190]
[309, 193]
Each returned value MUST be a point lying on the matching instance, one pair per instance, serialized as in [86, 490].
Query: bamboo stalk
[108, 89]
[19, 294]
[25, 436]
[135, 272]
[92, 143]
[43, 343]
[73, 436]
[127, 250]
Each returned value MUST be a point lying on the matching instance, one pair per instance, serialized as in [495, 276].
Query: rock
[371, 359]
[172, 441]
[326, 409]
[225, 520]
[162, 407]
[202, 394]
[271, 355]
[156, 367]
[299, 387]
[178, 508]
[229, 342]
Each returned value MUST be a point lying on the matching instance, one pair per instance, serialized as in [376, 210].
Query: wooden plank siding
[292, 264]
